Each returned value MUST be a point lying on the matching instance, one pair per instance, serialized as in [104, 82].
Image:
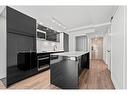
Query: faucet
[55, 47]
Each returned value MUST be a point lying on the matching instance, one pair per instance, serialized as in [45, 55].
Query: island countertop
[71, 53]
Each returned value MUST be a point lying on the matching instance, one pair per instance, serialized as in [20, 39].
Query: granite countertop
[71, 53]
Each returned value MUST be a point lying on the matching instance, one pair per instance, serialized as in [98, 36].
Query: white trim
[114, 82]
[88, 26]
[40, 31]
[116, 12]
[102, 24]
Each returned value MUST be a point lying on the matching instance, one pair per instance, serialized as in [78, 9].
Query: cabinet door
[50, 35]
[17, 44]
[53, 36]
[20, 22]
[66, 42]
[58, 37]
[25, 44]
[64, 73]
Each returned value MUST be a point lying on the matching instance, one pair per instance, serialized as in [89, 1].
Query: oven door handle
[43, 58]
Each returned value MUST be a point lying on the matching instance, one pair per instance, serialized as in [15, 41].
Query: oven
[43, 61]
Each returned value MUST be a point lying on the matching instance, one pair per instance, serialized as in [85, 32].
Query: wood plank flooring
[97, 77]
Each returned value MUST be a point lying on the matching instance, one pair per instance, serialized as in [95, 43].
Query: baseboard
[114, 82]
[3, 81]
[1, 77]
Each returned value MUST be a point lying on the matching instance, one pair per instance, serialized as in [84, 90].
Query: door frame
[91, 47]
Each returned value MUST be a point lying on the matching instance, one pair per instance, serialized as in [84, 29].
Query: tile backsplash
[43, 45]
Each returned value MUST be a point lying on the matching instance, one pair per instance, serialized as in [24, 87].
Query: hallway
[98, 77]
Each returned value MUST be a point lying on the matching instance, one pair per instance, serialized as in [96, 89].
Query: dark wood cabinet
[12, 49]
[66, 42]
[54, 36]
[51, 35]
[20, 22]
[18, 43]
[65, 70]
[21, 46]
[64, 73]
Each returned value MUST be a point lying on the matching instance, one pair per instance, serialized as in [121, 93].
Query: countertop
[71, 53]
[49, 52]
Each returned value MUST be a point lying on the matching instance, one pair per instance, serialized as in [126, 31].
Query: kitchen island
[66, 67]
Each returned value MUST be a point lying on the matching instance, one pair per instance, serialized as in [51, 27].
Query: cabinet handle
[43, 58]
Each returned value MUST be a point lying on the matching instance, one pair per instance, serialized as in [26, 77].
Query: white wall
[2, 45]
[117, 48]
[1, 9]
[81, 43]
[126, 48]
[72, 36]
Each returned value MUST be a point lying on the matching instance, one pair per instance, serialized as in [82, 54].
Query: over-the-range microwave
[41, 34]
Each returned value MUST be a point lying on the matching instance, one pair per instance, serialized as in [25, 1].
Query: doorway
[97, 48]
[81, 43]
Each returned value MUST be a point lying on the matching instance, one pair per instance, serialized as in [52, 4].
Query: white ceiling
[70, 16]
[100, 31]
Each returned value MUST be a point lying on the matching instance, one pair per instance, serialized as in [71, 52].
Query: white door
[97, 48]
[108, 52]
[108, 59]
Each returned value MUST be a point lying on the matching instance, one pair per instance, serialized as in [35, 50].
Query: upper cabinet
[20, 22]
[66, 42]
[51, 35]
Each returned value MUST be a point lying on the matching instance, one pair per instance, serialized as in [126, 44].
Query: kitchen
[29, 45]
[45, 53]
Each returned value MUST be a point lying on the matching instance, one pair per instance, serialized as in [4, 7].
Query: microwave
[41, 34]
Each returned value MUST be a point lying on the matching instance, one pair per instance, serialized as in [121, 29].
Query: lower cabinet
[83, 62]
[64, 73]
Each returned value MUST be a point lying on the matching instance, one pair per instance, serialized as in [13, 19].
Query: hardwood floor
[97, 77]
